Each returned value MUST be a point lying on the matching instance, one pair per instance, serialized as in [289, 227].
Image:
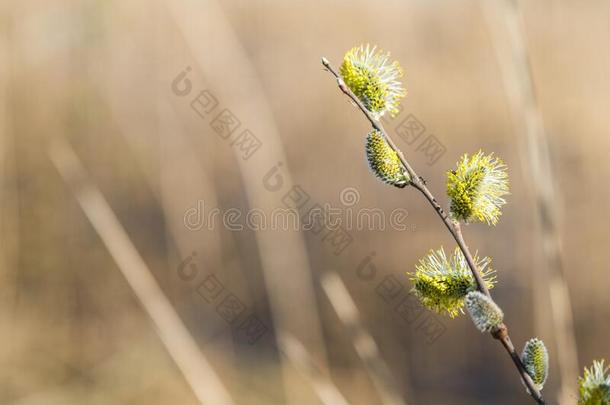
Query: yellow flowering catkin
[477, 187]
[594, 385]
[373, 79]
[441, 283]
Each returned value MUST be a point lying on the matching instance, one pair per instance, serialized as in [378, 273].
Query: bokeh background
[103, 158]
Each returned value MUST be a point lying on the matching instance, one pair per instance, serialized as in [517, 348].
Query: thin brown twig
[454, 228]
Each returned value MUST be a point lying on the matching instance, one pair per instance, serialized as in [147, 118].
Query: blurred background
[125, 124]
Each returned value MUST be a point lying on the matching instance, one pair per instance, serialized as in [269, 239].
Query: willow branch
[452, 226]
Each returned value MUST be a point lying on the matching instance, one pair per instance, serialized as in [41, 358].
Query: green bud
[384, 161]
[535, 358]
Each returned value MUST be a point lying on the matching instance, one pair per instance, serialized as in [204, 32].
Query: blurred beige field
[124, 123]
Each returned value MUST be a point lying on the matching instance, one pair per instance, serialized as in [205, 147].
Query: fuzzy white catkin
[485, 314]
